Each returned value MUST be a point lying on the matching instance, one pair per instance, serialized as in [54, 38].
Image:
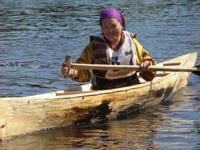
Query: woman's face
[111, 29]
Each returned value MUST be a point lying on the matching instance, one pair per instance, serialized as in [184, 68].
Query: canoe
[23, 115]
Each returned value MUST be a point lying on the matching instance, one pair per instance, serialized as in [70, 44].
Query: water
[36, 35]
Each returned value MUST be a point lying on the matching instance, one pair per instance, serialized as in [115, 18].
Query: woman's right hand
[68, 72]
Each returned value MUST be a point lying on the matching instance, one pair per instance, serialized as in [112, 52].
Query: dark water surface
[35, 36]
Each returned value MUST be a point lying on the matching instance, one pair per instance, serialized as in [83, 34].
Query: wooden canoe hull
[22, 115]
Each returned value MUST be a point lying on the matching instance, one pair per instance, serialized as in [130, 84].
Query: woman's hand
[145, 73]
[145, 64]
[68, 72]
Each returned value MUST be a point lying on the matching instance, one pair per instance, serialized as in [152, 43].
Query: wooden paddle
[69, 64]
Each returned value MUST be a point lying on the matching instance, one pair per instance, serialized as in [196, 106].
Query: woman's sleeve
[142, 55]
[85, 75]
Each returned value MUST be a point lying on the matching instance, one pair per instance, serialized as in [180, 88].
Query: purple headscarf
[112, 13]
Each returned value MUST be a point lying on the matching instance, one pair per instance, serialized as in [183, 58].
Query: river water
[35, 36]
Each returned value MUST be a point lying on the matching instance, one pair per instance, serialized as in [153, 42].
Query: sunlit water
[35, 36]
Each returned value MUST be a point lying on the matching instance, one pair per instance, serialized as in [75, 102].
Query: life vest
[103, 54]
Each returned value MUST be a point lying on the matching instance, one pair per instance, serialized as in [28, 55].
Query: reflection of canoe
[21, 115]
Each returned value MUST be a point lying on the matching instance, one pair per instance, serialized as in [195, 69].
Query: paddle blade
[198, 70]
[197, 66]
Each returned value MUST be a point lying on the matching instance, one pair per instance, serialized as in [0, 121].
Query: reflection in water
[131, 133]
[180, 116]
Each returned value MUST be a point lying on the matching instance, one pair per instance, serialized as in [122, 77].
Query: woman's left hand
[146, 74]
[145, 64]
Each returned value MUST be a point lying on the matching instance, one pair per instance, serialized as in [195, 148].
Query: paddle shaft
[69, 64]
[133, 67]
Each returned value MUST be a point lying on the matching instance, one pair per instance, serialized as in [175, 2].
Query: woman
[113, 46]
